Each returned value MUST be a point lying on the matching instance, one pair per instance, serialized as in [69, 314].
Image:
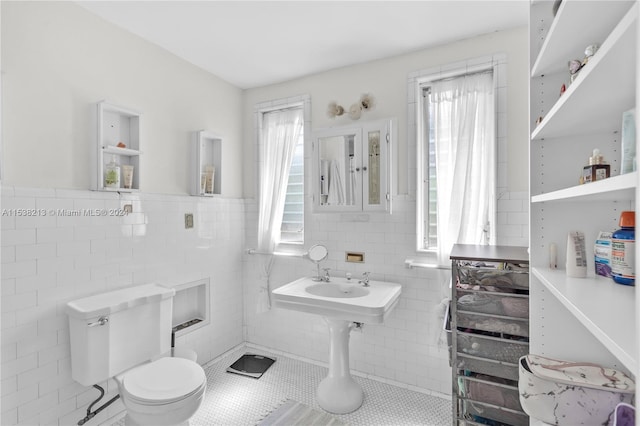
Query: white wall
[408, 349]
[57, 61]
[386, 80]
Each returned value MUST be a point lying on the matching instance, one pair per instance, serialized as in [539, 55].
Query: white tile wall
[513, 218]
[51, 258]
[409, 348]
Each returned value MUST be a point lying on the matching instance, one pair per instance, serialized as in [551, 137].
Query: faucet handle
[365, 279]
[326, 274]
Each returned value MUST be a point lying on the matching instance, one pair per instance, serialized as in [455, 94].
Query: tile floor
[237, 400]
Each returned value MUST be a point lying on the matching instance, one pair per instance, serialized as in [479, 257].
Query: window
[281, 181]
[292, 229]
[456, 147]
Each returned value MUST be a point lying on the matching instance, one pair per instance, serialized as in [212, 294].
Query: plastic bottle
[623, 250]
[112, 174]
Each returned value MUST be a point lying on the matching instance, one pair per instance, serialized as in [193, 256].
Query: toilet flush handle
[101, 321]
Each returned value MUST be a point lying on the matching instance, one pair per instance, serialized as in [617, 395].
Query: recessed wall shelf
[190, 307]
[117, 125]
[206, 164]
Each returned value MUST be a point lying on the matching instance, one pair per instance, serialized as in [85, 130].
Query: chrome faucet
[365, 280]
[326, 277]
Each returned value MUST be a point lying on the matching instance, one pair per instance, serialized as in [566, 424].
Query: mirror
[352, 167]
[317, 253]
[338, 170]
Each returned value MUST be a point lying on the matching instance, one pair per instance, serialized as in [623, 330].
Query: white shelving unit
[582, 319]
[117, 125]
[206, 157]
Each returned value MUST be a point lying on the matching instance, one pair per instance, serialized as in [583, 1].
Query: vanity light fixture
[366, 103]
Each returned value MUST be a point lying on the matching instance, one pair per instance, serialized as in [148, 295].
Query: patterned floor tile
[233, 400]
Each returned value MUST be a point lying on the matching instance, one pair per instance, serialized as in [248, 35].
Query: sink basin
[333, 290]
[340, 299]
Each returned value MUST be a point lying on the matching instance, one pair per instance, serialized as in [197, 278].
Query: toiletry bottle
[597, 168]
[602, 254]
[576, 255]
[112, 174]
[623, 242]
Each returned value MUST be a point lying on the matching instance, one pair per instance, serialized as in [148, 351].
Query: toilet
[126, 335]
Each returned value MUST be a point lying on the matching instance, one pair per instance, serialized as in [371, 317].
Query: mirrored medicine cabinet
[352, 167]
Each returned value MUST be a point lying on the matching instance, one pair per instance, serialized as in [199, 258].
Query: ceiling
[256, 43]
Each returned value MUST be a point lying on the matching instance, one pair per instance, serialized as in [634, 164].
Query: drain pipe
[91, 414]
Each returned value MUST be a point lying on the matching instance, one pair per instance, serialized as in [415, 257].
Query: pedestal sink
[343, 304]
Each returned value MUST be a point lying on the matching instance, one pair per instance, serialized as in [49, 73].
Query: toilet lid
[164, 380]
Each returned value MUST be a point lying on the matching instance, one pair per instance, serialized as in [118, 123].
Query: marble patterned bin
[559, 392]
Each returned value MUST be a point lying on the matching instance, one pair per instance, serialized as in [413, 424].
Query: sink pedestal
[338, 393]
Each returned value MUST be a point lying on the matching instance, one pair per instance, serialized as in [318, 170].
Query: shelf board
[607, 82]
[105, 189]
[572, 21]
[605, 308]
[614, 188]
[110, 149]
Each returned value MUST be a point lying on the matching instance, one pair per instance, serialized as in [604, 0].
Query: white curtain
[336, 184]
[463, 114]
[280, 133]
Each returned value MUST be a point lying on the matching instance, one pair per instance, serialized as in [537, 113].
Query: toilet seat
[164, 381]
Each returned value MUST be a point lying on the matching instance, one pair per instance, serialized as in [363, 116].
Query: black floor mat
[251, 365]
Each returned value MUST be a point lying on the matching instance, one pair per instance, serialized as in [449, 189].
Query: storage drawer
[490, 390]
[492, 323]
[506, 275]
[491, 347]
[485, 302]
[475, 411]
[487, 366]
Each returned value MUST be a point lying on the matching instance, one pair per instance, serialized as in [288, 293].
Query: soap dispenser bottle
[597, 168]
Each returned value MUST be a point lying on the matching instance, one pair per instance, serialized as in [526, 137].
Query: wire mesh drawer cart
[489, 315]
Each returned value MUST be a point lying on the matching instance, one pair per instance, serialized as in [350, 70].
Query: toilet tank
[112, 332]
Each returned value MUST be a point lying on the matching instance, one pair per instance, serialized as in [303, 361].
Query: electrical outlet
[188, 220]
